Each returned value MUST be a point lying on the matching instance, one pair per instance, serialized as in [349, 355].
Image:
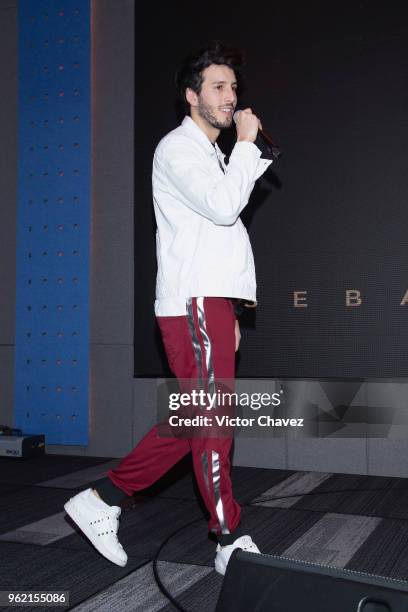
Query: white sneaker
[224, 552]
[99, 522]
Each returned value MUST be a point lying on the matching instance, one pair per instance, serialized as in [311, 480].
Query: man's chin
[224, 125]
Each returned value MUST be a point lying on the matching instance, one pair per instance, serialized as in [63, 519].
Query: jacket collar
[197, 133]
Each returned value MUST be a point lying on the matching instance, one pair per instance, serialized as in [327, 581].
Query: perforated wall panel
[54, 208]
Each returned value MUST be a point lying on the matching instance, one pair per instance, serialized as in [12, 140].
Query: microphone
[272, 147]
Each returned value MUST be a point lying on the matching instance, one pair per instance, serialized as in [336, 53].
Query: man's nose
[230, 97]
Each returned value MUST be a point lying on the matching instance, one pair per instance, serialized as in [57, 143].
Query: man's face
[218, 97]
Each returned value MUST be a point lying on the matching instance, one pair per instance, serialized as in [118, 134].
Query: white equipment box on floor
[23, 446]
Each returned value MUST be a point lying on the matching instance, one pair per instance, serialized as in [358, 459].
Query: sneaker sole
[220, 568]
[81, 523]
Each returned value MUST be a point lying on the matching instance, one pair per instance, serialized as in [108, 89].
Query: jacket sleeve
[219, 198]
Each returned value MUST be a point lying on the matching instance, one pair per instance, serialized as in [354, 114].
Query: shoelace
[113, 523]
[247, 543]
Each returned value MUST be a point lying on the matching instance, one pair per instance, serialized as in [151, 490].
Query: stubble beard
[205, 113]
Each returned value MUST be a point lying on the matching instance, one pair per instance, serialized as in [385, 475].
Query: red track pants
[199, 345]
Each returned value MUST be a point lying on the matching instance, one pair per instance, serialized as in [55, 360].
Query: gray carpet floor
[355, 522]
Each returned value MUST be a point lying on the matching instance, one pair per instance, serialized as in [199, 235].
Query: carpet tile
[360, 522]
[139, 592]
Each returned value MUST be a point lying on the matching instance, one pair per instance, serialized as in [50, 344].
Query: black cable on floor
[251, 502]
[159, 583]
[156, 571]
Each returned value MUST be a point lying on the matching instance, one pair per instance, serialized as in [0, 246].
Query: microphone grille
[235, 115]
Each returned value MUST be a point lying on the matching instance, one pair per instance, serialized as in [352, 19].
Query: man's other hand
[237, 335]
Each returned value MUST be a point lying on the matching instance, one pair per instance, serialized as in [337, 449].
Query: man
[204, 261]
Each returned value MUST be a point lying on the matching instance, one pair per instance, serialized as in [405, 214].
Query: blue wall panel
[54, 213]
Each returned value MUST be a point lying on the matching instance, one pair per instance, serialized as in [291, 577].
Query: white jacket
[203, 248]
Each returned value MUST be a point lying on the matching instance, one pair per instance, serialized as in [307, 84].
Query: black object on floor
[271, 584]
[358, 522]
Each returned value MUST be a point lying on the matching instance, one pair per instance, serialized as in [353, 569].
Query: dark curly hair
[190, 73]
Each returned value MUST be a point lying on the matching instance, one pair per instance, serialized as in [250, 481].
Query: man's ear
[191, 97]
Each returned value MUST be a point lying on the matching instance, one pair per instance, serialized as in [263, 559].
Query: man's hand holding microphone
[248, 127]
[247, 124]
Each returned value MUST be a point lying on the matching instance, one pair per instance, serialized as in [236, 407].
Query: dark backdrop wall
[329, 80]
